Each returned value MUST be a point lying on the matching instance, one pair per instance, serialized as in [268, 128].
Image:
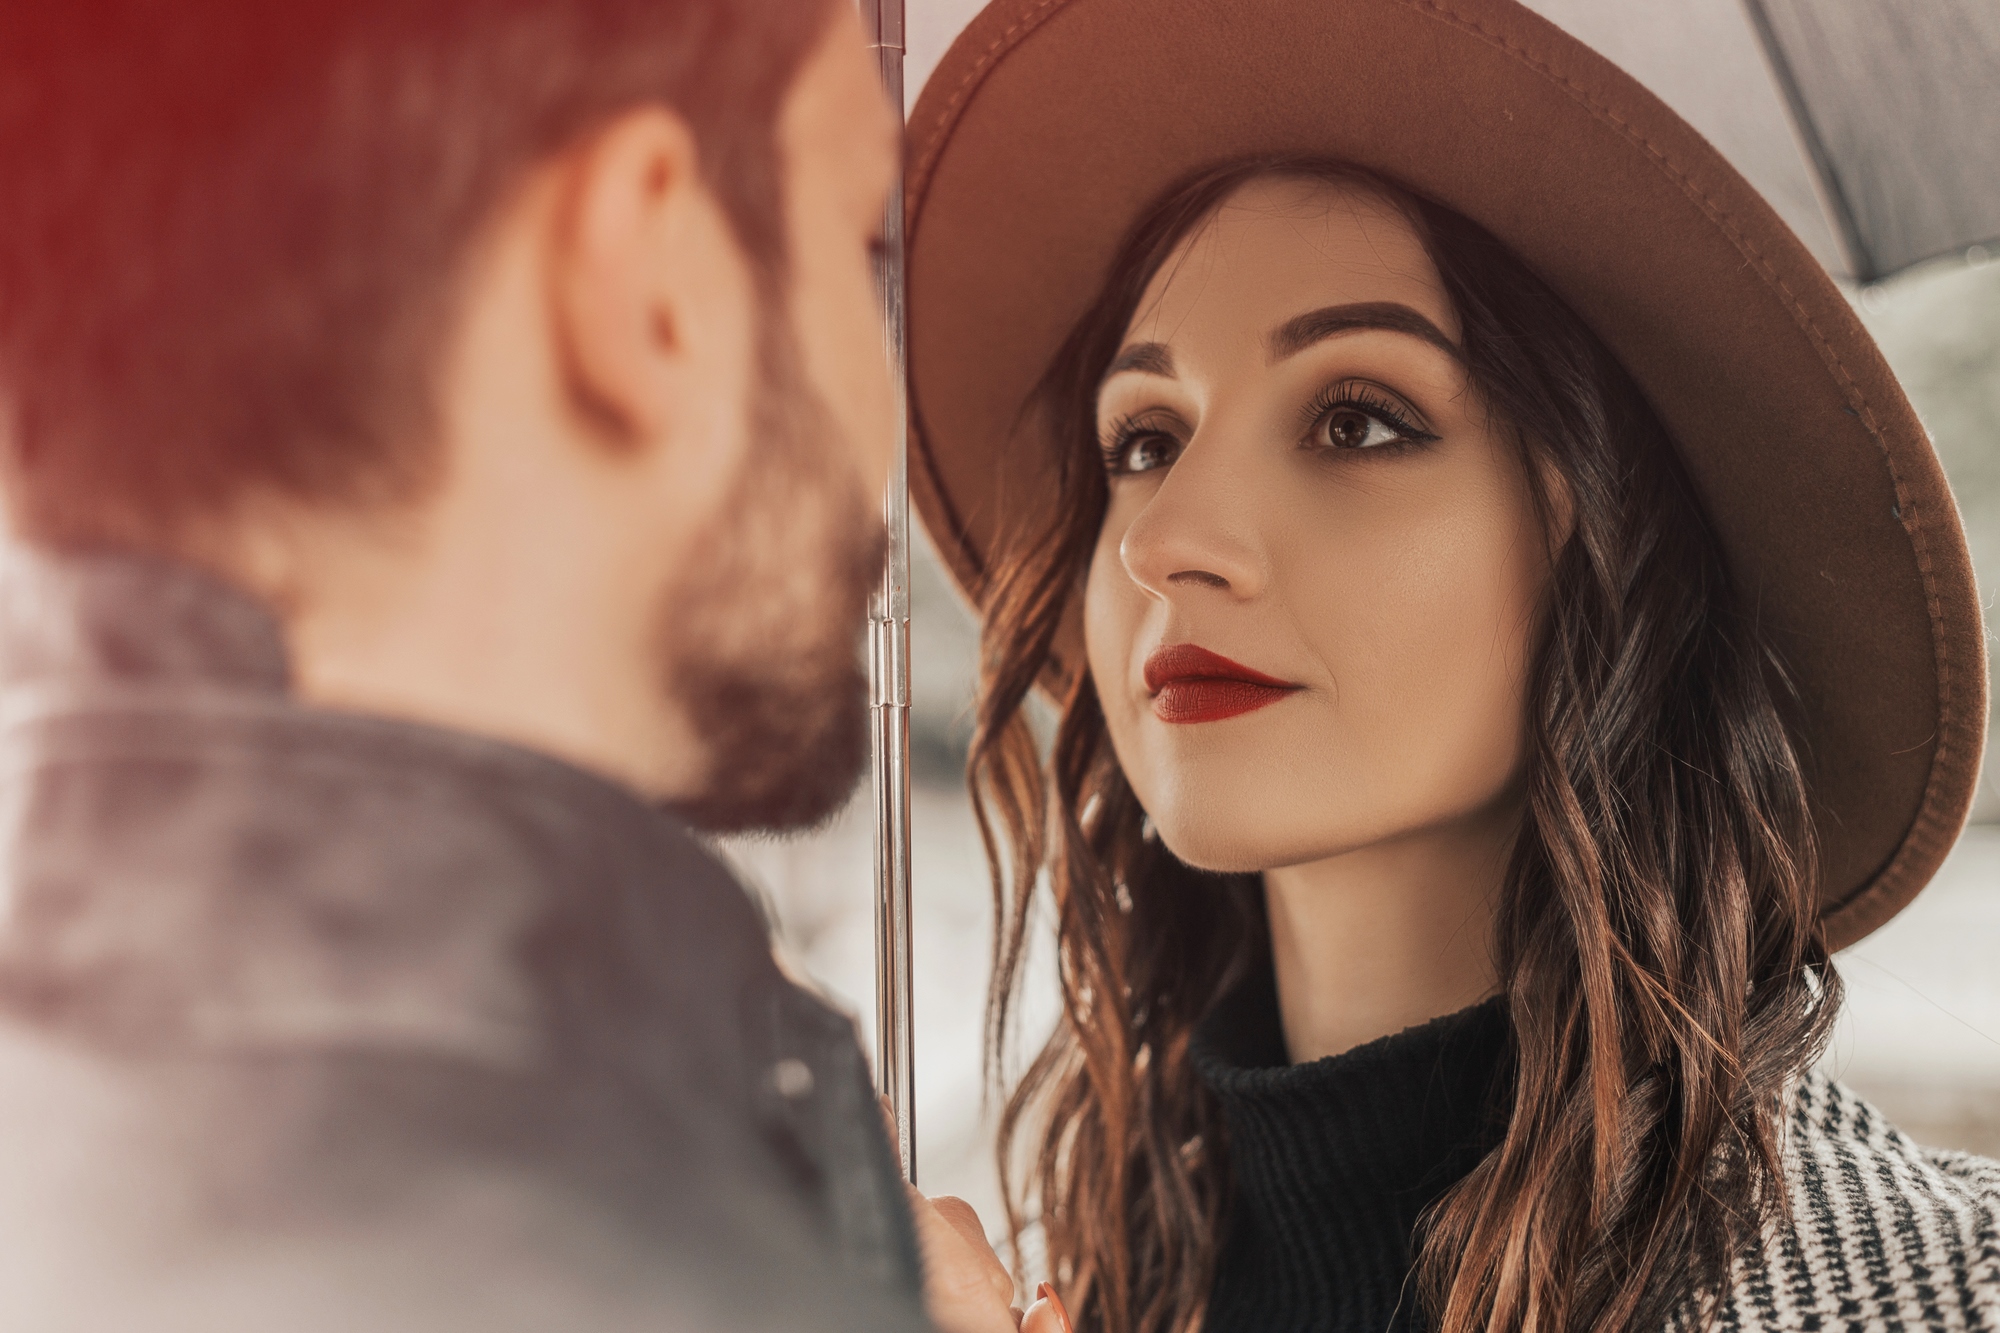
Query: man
[437, 434]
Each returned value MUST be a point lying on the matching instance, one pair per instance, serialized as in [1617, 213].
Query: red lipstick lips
[1191, 684]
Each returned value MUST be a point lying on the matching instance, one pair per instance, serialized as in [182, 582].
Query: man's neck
[425, 617]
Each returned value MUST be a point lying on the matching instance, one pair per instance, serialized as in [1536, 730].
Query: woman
[1507, 628]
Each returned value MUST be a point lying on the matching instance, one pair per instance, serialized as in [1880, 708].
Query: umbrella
[1872, 127]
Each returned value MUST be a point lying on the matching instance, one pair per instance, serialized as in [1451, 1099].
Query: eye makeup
[1352, 416]
[1141, 443]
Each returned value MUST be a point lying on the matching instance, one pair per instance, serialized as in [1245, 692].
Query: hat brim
[1051, 124]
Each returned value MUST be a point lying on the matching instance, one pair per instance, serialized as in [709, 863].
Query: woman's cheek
[1425, 639]
[1113, 612]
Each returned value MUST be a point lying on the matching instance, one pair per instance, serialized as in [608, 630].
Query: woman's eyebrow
[1146, 358]
[1302, 331]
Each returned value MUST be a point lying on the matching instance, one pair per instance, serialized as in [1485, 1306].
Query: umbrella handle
[889, 667]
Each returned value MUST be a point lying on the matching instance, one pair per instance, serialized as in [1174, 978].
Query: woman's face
[1310, 609]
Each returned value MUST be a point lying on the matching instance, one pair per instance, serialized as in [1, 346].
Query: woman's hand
[966, 1287]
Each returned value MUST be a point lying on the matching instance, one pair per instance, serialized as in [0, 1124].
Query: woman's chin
[1222, 846]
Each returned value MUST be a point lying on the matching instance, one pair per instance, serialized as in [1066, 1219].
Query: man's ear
[634, 228]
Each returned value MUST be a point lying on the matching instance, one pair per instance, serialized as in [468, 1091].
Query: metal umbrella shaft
[889, 668]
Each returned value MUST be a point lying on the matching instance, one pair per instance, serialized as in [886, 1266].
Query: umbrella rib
[1860, 257]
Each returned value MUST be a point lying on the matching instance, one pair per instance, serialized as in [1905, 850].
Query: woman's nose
[1196, 532]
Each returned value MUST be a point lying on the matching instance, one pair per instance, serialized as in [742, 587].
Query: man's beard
[762, 630]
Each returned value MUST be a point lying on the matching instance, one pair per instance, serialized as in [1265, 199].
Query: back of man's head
[247, 267]
[229, 230]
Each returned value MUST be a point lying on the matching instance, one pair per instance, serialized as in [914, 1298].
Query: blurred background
[1920, 1034]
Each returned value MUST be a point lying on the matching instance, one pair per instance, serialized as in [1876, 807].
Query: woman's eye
[1150, 451]
[1353, 428]
[1140, 451]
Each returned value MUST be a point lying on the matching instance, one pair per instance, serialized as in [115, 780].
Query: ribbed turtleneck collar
[1334, 1161]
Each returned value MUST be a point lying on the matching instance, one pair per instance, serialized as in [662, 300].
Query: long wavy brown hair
[1658, 943]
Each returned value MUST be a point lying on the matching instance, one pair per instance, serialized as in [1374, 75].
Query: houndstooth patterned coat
[1885, 1235]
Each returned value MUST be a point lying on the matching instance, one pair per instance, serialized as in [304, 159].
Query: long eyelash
[1369, 399]
[1119, 433]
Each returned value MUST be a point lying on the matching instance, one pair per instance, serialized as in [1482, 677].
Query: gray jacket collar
[108, 619]
[192, 856]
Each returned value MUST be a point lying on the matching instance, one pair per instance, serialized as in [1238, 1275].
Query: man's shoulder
[389, 1192]
[1882, 1233]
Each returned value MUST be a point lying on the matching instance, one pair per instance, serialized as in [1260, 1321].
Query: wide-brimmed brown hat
[1051, 125]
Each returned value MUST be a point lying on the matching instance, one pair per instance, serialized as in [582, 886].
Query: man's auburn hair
[231, 232]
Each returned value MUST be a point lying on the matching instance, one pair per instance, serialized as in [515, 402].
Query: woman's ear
[1557, 497]
[639, 253]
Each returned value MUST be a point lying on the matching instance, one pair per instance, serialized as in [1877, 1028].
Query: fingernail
[1045, 1292]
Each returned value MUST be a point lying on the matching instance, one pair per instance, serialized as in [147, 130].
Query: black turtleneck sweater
[1334, 1161]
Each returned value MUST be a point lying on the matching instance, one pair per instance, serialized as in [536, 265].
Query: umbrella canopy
[1872, 128]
